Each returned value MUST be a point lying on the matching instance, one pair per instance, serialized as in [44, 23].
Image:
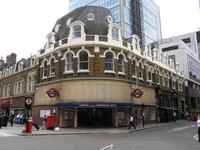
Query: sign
[5, 103]
[137, 93]
[28, 102]
[52, 92]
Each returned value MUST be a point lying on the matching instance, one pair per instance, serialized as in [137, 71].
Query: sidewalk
[17, 129]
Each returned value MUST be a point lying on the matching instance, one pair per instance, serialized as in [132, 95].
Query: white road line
[181, 128]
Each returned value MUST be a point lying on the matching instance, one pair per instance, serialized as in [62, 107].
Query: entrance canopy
[92, 105]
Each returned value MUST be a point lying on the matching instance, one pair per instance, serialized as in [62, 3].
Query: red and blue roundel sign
[52, 92]
[137, 93]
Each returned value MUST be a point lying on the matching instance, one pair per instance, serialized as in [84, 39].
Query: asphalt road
[172, 137]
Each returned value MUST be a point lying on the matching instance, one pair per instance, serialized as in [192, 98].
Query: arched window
[134, 68]
[109, 61]
[68, 62]
[115, 33]
[45, 69]
[52, 67]
[83, 60]
[140, 71]
[76, 31]
[121, 63]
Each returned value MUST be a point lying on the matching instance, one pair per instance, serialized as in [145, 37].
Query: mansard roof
[98, 26]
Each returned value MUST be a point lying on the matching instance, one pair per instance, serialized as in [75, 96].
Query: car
[16, 118]
[22, 118]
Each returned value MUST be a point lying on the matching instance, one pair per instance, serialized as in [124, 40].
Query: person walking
[44, 122]
[198, 124]
[131, 122]
[11, 119]
[174, 116]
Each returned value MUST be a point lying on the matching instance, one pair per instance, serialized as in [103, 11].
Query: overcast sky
[26, 23]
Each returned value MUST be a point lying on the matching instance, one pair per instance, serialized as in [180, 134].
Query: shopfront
[76, 115]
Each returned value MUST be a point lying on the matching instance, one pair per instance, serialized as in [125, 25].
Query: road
[172, 137]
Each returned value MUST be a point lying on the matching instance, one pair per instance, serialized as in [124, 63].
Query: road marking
[182, 128]
[195, 137]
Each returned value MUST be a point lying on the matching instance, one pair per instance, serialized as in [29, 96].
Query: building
[140, 17]
[184, 50]
[17, 81]
[89, 76]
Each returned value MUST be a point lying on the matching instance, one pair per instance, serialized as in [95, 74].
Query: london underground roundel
[52, 92]
[137, 93]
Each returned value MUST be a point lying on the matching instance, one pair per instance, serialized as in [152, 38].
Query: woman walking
[198, 124]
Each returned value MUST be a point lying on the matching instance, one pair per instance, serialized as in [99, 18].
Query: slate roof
[98, 26]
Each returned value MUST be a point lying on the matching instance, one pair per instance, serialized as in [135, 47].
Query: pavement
[17, 129]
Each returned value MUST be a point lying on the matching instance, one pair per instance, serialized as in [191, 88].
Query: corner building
[87, 72]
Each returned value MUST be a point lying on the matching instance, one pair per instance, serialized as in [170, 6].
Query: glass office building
[141, 17]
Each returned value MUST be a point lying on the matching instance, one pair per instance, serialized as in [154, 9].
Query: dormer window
[76, 31]
[115, 33]
[21, 66]
[109, 19]
[90, 17]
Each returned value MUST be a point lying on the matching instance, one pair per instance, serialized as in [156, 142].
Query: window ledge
[109, 71]
[44, 78]
[68, 72]
[83, 71]
[121, 73]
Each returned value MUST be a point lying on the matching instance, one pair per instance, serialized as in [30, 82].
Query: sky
[26, 23]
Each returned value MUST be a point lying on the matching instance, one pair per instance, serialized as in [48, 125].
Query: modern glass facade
[122, 12]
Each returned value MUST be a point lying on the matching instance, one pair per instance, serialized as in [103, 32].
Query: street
[172, 137]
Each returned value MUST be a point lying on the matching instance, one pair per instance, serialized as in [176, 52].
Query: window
[158, 76]
[4, 91]
[29, 83]
[121, 63]
[115, 34]
[90, 16]
[76, 31]
[134, 68]
[109, 61]
[149, 74]
[45, 69]
[140, 71]
[8, 90]
[83, 60]
[52, 67]
[68, 62]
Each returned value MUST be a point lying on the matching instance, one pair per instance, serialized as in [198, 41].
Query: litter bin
[50, 122]
[4, 121]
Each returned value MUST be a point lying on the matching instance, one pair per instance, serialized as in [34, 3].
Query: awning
[169, 108]
[93, 105]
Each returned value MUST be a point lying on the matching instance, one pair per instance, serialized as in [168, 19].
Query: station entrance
[94, 117]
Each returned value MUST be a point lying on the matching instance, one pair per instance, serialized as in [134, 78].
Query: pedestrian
[174, 116]
[44, 122]
[11, 119]
[131, 122]
[198, 124]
